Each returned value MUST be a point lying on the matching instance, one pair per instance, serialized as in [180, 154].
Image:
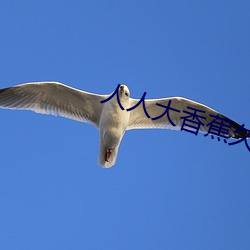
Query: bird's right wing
[54, 98]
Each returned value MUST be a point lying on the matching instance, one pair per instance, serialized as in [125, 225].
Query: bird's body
[113, 125]
[108, 116]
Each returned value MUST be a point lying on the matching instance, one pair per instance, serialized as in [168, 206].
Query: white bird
[58, 99]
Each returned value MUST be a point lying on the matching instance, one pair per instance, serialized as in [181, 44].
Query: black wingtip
[3, 90]
[235, 126]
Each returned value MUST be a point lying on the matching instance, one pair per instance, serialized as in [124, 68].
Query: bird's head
[124, 92]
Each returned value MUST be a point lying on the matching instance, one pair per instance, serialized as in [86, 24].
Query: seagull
[111, 117]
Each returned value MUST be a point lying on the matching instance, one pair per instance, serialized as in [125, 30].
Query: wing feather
[139, 120]
[54, 98]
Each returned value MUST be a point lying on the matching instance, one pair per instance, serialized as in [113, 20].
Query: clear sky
[169, 189]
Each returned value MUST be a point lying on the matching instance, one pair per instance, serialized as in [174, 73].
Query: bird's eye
[126, 93]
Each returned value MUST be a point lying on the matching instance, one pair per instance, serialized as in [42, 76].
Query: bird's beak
[122, 88]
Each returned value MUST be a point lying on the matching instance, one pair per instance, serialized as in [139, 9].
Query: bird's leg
[108, 154]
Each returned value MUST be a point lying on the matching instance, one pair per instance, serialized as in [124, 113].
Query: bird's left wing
[54, 98]
[139, 120]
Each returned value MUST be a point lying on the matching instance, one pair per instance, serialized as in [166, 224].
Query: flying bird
[55, 98]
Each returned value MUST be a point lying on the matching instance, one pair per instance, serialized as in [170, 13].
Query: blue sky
[169, 189]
